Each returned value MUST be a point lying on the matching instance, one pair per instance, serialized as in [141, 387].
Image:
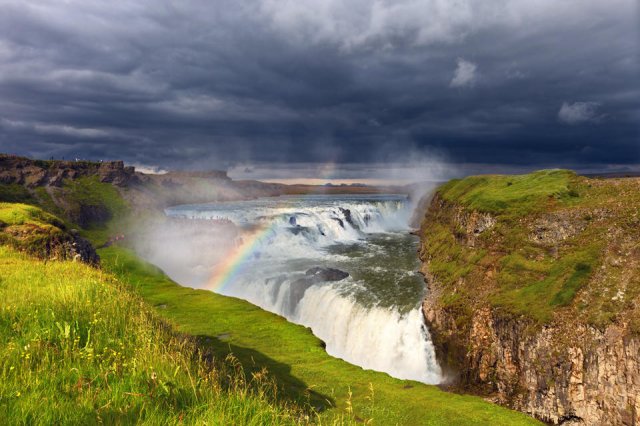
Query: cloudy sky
[504, 85]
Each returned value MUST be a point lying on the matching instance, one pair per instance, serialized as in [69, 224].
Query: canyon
[533, 297]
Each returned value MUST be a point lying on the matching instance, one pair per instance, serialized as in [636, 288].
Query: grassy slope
[78, 347]
[537, 279]
[513, 195]
[24, 214]
[68, 201]
[90, 192]
[296, 357]
[30, 229]
[14, 193]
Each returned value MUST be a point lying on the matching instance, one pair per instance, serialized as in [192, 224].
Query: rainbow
[236, 261]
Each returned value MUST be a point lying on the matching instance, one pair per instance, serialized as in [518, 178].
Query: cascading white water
[374, 338]
[371, 318]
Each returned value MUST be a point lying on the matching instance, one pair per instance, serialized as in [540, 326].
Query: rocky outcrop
[82, 250]
[143, 192]
[564, 370]
[320, 274]
[347, 216]
[34, 173]
[551, 230]
[471, 224]
[49, 242]
[561, 375]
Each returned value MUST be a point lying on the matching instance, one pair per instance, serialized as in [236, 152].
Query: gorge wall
[84, 191]
[34, 173]
[533, 299]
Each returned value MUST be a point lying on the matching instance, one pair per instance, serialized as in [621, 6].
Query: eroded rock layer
[534, 295]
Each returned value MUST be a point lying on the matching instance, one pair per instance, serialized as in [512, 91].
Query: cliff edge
[88, 193]
[534, 292]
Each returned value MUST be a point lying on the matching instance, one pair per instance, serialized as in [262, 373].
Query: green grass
[296, 358]
[518, 194]
[78, 347]
[537, 288]
[21, 214]
[14, 193]
[89, 191]
[46, 202]
[576, 280]
[92, 203]
[507, 268]
[31, 230]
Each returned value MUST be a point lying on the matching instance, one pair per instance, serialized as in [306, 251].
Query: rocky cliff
[34, 173]
[88, 193]
[534, 293]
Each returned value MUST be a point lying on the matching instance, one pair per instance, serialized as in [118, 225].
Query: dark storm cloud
[210, 84]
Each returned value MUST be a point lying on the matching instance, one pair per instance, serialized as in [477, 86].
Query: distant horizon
[337, 182]
[393, 174]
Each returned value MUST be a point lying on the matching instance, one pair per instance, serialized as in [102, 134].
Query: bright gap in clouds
[392, 173]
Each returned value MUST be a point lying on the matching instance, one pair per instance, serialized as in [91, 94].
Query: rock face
[319, 274]
[81, 249]
[70, 247]
[348, 218]
[143, 191]
[565, 370]
[33, 173]
[559, 375]
[85, 215]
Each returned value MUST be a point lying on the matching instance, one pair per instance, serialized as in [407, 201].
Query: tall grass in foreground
[77, 347]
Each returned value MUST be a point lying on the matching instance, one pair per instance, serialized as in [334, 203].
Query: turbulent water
[371, 318]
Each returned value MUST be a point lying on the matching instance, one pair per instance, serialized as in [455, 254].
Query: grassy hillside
[557, 247]
[14, 193]
[512, 194]
[296, 357]
[31, 230]
[79, 348]
[84, 203]
[89, 202]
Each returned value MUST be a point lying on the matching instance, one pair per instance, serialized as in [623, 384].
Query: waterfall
[296, 235]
